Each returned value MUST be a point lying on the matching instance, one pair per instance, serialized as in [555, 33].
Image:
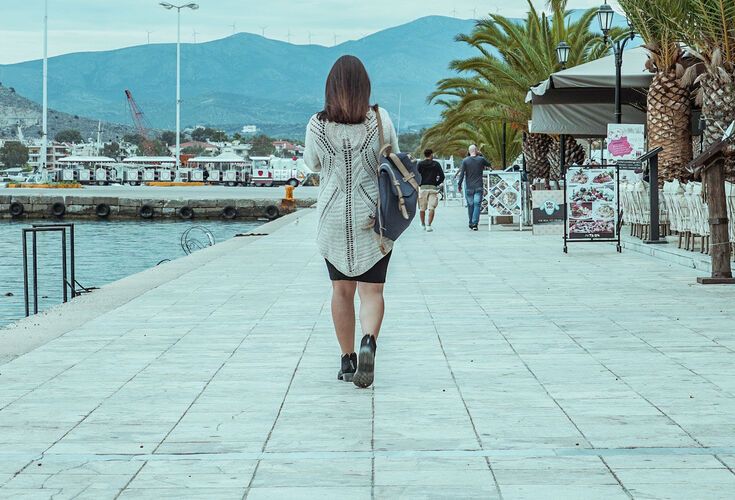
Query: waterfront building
[206, 147]
[288, 148]
[54, 152]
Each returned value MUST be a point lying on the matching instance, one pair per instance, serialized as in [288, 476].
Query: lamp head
[606, 17]
[562, 52]
[192, 6]
[166, 5]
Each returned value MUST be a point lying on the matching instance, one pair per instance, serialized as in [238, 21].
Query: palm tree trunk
[669, 117]
[574, 153]
[718, 107]
[536, 150]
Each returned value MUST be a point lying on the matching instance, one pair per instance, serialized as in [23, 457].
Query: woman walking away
[342, 141]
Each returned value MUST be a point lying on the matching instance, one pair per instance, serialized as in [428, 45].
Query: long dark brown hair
[347, 94]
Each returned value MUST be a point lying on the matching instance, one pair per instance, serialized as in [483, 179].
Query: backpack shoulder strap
[385, 148]
[407, 175]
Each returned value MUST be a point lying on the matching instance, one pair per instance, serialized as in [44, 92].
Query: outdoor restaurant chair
[676, 202]
[699, 217]
[641, 207]
[626, 205]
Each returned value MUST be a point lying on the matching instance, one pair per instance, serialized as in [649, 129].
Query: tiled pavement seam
[275, 420]
[467, 410]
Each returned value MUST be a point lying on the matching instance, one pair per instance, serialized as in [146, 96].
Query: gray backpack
[398, 186]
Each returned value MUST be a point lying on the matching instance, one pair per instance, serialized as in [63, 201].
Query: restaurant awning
[580, 101]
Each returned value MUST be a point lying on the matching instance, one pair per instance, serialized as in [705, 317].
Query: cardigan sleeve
[311, 155]
[390, 130]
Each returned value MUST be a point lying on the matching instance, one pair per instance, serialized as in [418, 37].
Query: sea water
[106, 251]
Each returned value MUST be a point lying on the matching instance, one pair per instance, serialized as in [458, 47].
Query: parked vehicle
[228, 168]
[151, 169]
[272, 171]
[87, 169]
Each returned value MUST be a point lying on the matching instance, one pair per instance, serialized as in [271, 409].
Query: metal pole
[25, 271]
[618, 82]
[505, 139]
[400, 103]
[35, 274]
[73, 263]
[178, 88]
[653, 186]
[63, 266]
[562, 156]
[44, 133]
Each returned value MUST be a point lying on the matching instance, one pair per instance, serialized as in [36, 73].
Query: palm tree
[708, 28]
[668, 101]
[453, 135]
[512, 57]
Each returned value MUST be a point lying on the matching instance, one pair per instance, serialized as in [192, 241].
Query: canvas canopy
[227, 157]
[150, 159]
[580, 101]
[86, 159]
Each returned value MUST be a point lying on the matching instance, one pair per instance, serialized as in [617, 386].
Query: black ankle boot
[349, 366]
[366, 362]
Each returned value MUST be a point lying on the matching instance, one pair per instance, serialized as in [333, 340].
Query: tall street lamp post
[562, 55]
[606, 17]
[42, 157]
[178, 8]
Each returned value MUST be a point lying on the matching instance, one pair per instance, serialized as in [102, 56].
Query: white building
[249, 129]
[54, 152]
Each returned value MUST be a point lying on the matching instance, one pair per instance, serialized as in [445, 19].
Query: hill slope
[246, 78]
[16, 109]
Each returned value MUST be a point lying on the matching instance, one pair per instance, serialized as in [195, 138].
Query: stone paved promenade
[505, 370]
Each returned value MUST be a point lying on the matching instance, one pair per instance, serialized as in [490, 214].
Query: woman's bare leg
[343, 314]
[372, 307]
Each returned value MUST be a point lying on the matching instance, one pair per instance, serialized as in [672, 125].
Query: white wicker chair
[641, 207]
[678, 209]
[626, 204]
[699, 215]
[664, 214]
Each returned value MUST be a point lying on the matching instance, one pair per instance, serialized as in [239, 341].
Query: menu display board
[592, 205]
[625, 141]
[548, 212]
[503, 193]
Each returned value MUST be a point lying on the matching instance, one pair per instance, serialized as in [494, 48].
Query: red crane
[141, 124]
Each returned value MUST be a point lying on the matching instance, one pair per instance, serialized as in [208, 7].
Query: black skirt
[375, 274]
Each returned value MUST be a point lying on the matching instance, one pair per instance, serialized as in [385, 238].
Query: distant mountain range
[247, 79]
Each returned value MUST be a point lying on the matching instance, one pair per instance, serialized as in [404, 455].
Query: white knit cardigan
[347, 156]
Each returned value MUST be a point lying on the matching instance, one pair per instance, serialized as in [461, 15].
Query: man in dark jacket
[472, 171]
[432, 176]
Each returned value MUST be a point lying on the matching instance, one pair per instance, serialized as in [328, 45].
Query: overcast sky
[83, 25]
